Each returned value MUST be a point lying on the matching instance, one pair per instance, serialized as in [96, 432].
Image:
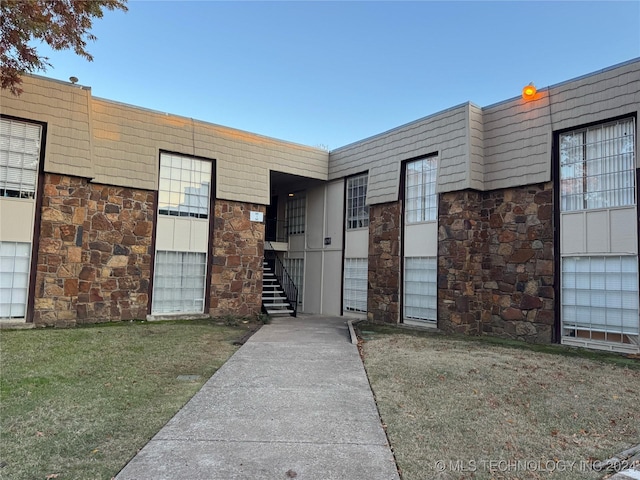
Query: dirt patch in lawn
[460, 409]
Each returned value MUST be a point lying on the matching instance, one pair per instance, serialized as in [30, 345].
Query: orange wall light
[529, 92]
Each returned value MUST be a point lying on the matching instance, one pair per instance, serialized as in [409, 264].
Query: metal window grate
[184, 188]
[420, 289]
[597, 166]
[355, 284]
[600, 298]
[14, 278]
[179, 282]
[357, 210]
[295, 214]
[421, 199]
[19, 158]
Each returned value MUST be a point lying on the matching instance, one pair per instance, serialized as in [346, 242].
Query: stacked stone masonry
[238, 251]
[94, 252]
[384, 263]
[496, 263]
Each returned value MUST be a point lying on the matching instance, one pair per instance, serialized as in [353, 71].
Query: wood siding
[131, 138]
[505, 145]
[517, 143]
[118, 144]
[476, 147]
[500, 146]
[65, 108]
[382, 155]
[517, 134]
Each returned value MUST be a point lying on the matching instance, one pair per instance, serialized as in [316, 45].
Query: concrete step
[286, 312]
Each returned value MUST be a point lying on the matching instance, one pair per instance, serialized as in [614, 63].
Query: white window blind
[179, 282]
[14, 278]
[19, 158]
[420, 289]
[597, 166]
[355, 284]
[600, 294]
[184, 188]
[357, 210]
[421, 200]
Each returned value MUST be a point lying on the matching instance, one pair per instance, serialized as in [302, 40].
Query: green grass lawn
[470, 408]
[79, 403]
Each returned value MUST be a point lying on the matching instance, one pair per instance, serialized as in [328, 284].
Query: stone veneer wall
[496, 263]
[238, 253]
[94, 252]
[463, 243]
[383, 303]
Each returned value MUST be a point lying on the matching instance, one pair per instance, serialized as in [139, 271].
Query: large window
[19, 158]
[295, 214]
[600, 294]
[357, 210]
[599, 281]
[179, 282]
[14, 278]
[597, 166]
[355, 284]
[421, 200]
[184, 186]
[420, 289]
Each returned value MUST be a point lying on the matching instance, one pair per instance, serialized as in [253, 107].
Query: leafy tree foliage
[62, 24]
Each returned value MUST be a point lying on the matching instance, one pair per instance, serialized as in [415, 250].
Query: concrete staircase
[274, 300]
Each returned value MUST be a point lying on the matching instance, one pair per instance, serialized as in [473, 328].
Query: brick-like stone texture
[496, 263]
[94, 253]
[384, 263]
[238, 252]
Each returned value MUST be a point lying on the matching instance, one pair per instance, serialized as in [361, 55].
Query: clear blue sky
[331, 73]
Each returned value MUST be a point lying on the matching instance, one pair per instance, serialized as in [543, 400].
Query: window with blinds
[355, 284]
[19, 158]
[420, 289]
[599, 286]
[597, 166]
[179, 282]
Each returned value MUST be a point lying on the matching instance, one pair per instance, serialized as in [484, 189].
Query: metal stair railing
[283, 277]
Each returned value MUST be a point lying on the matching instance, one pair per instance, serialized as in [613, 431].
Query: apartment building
[517, 219]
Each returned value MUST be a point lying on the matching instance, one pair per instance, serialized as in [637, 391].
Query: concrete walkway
[293, 402]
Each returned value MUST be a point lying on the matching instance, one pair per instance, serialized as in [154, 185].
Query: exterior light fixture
[291, 194]
[529, 92]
